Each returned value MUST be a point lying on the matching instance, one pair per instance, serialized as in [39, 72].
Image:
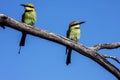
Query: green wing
[29, 18]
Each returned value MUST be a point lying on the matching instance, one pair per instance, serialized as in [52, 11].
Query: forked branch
[81, 49]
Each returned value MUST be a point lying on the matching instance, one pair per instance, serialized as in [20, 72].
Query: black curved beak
[82, 22]
[22, 5]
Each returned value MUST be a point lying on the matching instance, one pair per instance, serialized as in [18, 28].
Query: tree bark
[81, 49]
[106, 46]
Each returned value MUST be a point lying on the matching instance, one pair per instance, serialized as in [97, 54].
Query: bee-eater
[73, 33]
[28, 17]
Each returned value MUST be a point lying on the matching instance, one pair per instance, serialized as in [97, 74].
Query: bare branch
[81, 49]
[106, 46]
[112, 57]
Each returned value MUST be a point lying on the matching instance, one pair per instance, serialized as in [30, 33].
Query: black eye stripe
[29, 6]
[75, 24]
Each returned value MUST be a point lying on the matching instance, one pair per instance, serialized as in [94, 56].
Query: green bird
[73, 33]
[28, 17]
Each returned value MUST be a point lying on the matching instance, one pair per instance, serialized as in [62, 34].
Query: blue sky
[44, 60]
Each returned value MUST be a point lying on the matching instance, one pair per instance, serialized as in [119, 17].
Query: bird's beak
[22, 5]
[82, 22]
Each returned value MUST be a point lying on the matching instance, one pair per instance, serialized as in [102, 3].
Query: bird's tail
[68, 60]
[22, 41]
[19, 50]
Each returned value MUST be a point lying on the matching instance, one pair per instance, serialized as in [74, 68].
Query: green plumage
[28, 17]
[73, 33]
